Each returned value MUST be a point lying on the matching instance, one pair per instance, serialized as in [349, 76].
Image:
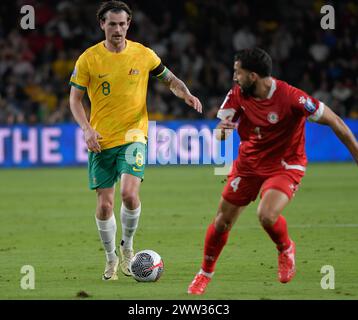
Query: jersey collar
[272, 89]
[104, 49]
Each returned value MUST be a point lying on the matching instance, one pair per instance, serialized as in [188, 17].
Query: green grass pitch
[47, 221]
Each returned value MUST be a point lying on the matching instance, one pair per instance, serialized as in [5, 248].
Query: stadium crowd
[196, 39]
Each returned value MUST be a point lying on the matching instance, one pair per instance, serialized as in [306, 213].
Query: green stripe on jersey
[77, 86]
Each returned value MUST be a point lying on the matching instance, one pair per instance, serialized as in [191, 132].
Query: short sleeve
[229, 109]
[305, 105]
[80, 76]
[153, 60]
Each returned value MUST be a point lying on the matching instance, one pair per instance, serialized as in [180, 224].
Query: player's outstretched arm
[224, 129]
[78, 112]
[179, 88]
[341, 130]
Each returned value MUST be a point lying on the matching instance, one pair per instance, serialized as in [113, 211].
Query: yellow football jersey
[116, 84]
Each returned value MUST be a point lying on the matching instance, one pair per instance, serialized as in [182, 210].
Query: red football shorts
[240, 191]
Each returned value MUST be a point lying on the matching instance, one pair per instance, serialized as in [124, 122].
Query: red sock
[279, 233]
[214, 243]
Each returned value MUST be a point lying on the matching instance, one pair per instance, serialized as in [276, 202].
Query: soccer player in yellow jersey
[115, 74]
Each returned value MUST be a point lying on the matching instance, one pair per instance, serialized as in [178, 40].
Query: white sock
[206, 273]
[107, 232]
[129, 220]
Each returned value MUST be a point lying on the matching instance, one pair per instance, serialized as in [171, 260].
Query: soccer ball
[146, 266]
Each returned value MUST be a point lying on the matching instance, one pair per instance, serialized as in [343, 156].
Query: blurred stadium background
[197, 39]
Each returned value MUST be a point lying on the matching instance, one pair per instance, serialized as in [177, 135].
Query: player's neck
[113, 48]
[263, 87]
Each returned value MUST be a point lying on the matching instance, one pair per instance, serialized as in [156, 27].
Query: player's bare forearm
[79, 115]
[346, 136]
[179, 89]
[91, 136]
[177, 86]
[341, 130]
[77, 108]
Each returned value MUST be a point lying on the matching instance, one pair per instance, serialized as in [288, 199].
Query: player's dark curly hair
[113, 6]
[255, 60]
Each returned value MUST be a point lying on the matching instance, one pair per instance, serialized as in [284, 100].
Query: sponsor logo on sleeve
[308, 104]
[302, 100]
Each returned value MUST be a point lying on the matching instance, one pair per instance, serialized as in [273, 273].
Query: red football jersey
[271, 130]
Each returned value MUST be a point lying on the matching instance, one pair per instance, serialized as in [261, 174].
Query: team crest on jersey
[133, 72]
[272, 117]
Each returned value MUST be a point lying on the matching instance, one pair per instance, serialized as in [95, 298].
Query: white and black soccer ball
[147, 266]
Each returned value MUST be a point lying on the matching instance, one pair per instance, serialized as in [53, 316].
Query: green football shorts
[106, 167]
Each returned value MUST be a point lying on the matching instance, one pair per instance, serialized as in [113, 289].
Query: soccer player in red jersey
[270, 117]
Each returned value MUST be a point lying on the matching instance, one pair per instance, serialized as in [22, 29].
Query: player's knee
[130, 199]
[223, 223]
[105, 209]
[267, 216]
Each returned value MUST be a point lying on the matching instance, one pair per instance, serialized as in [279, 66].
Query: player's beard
[248, 89]
[116, 40]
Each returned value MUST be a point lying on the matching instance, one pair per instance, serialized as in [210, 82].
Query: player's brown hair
[256, 60]
[113, 6]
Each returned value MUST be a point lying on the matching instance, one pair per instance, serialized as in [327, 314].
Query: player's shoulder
[290, 94]
[91, 51]
[285, 90]
[137, 46]
[282, 85]
[232, 99]
[235, 91]
[286, 87]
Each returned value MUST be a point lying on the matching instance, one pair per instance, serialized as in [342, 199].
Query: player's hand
[227, 124]
[225, 128]
[91, 138]
[194, 102]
